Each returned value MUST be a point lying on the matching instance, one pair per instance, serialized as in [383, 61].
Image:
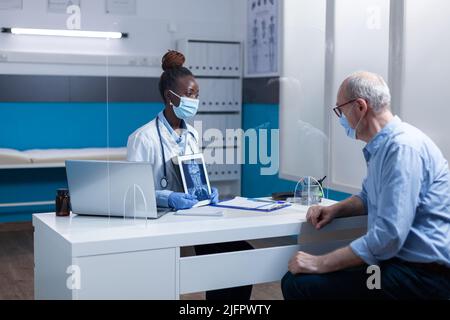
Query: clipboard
[253, 204]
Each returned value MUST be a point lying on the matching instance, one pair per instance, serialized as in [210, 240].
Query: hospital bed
[55, 158]
[11, 159]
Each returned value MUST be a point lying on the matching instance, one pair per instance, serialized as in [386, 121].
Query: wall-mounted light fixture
[65, 33]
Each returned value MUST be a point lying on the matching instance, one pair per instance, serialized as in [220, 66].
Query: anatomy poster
[263, 38]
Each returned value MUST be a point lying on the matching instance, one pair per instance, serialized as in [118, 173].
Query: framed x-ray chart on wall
[263, 38]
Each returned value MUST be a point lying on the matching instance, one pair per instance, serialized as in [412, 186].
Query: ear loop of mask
[170, 101]
[357, 125]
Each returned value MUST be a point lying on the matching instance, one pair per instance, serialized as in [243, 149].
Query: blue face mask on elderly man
[351, 133]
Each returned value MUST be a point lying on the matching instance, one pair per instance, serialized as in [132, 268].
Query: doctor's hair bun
[173, 60]
[172, 64]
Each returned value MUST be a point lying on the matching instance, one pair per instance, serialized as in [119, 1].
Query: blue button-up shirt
[406, 195]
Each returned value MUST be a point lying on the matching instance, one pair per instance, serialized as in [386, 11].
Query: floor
[16, 261]
[16, 267]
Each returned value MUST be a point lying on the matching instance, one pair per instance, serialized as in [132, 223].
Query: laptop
[113, 189]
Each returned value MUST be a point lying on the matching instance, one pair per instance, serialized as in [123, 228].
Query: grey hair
[370, 87]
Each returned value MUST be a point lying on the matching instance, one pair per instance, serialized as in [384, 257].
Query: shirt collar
[169, 128]
[379, 139]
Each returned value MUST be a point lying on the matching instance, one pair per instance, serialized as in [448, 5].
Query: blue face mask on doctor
[187, 108]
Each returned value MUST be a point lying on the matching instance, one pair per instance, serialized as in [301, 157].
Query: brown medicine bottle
[62, 203]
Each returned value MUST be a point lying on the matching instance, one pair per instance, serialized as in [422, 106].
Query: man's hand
[339, 259]
[303, 262]
[320, 216]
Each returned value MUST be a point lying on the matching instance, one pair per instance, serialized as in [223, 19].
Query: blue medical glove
[214, 195]
[179, 201]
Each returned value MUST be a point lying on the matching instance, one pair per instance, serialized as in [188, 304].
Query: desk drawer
[231, 269]
[129, 275]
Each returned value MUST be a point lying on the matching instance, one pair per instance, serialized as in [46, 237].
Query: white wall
[323, 42]
[406, 41]
[360, 42]
[303, 136]
[149, 33]
[418, 54]
[425, 96]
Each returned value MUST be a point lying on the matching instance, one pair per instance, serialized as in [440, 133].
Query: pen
[268, 201]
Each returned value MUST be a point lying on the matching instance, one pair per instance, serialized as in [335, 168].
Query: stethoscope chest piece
[164, 183]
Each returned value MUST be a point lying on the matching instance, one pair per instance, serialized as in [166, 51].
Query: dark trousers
[237, 293]
[399, 280]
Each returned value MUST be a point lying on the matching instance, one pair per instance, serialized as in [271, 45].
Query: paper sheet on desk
[201, 211]
[253, 204]
[242, 202]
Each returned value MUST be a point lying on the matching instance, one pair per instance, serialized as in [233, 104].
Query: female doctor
[169, 136]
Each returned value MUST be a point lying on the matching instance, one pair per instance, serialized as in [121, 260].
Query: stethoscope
[164, 182]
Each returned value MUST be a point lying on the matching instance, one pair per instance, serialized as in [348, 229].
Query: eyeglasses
[337, 110]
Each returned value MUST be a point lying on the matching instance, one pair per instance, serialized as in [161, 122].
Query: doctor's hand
[320, 216]
[180, 201]
[214, 195]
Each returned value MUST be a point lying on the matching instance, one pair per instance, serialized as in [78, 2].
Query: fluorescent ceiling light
[65, 33]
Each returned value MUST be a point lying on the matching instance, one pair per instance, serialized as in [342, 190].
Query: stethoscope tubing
[164, 182]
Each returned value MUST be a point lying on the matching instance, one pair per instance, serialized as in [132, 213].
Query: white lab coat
[144, 146]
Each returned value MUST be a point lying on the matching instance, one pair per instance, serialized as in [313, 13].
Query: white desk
[140, 259]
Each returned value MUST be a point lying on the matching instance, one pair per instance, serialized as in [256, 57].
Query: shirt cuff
[162, 198]
[361, 249]
[363, 198]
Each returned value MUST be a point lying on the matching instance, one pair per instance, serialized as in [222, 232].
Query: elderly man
[406, 196]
